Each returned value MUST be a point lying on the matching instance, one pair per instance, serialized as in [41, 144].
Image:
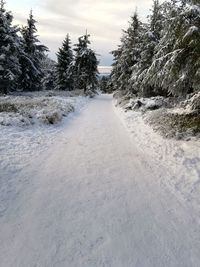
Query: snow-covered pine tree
[185, 66]
[31, 57]
[153, 77]
[116, 68]
[150, 38]
[103, 83]
[175, 67]
[148, 42]
[64, 68]
[163, 55]
[49, 80]
[128, 54]
[9, 49]
[50, 76]
[85, 66]
[156, 20]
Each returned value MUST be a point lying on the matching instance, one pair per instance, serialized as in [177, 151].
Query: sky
[103, 19]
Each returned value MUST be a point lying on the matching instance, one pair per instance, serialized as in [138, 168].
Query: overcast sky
[103, 19]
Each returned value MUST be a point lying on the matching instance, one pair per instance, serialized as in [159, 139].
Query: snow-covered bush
[149, 103]
[194, 103]
[130, 102]
[21, 111]
[123, 99]
[174, 124]
[182, 121]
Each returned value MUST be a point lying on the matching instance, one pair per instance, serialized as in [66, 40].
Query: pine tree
[31, 57]
[103, 83]
[149, 40]
[50, 75]
[64, 66]
[185, 65]
[168, 47]
[85, 66]
[128, 54]
[139, 70]
[175, 67]
[156, 20]
[9, 49]
[49, 80]
[131, 53]
[116, 68]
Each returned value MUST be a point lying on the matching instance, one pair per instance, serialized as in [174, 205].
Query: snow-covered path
[92, 201]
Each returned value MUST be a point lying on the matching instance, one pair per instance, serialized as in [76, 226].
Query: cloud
[103, 19]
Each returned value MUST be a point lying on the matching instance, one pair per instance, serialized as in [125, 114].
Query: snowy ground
[23, 139]
[176, 163]
[98, 196]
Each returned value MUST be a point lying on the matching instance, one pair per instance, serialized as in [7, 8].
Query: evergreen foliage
[105, 84]
[31, 57]
[50, 74]
[9, 50]
[23, 62]
[168, 52]
[128, 54]
[64, 66]
[85, 65]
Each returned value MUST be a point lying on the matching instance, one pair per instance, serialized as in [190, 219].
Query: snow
[190, 105]
[180, 110]
[193, 9]
[142, 103]
[151, 103]
[193, 103]
[26, 110]
[25, 138]
[98, 196]
[176, 163]
[190, 32]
